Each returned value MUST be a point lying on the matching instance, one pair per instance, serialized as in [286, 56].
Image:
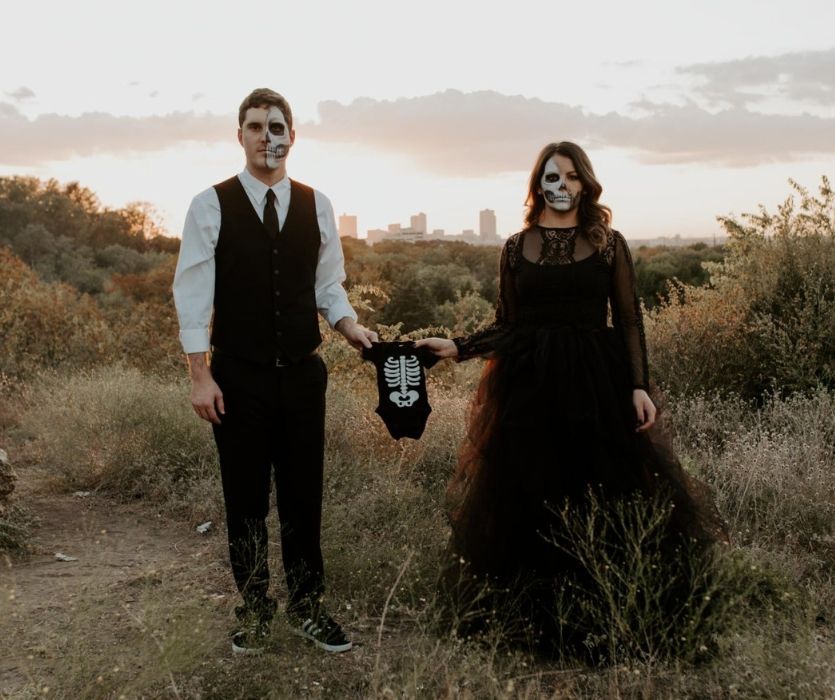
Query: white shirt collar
[258, 190]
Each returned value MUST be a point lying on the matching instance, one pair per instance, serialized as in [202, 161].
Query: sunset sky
[688, 109]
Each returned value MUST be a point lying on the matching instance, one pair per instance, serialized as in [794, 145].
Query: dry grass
[130, 434]
[771, 467]
[384, 534]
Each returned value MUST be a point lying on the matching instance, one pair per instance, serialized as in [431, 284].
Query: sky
[688, 110]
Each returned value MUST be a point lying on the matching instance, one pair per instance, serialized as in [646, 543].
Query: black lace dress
[553, 419]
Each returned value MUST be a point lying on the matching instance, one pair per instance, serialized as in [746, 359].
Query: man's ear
[292, 136]
[241, 136]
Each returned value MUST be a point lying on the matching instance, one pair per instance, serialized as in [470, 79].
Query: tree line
[755, 315]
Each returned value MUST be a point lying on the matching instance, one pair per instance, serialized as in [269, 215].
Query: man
[262, 252]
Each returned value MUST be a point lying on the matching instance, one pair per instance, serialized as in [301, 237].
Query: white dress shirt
[194, 280]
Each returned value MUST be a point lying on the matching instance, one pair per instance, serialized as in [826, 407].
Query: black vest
[265, 300]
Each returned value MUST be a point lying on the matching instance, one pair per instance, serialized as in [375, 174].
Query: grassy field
[147, 612]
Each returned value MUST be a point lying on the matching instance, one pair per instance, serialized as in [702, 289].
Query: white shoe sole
[333, 648]
[250, 651]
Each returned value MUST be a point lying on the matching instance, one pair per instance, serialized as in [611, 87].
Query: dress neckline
[557, 246]
[557, 229]
[566, 264]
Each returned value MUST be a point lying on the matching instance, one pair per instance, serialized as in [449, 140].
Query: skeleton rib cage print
[402, 372]
[401, 384]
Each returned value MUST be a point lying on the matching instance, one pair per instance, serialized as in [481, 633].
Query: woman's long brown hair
[595, 218]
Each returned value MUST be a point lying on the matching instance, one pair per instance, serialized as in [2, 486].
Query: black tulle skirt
[551, 436]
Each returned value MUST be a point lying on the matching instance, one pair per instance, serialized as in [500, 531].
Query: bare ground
[51, 609]
[144, 611]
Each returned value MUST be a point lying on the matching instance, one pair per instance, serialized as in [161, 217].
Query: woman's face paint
[560, 184]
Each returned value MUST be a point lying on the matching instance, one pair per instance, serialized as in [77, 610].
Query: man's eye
[277, 129]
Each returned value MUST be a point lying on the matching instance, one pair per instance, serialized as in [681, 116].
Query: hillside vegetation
[742, 350]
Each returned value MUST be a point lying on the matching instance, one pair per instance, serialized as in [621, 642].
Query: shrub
[694, 340]
[767, 322]
[46, 325]
[15, 527]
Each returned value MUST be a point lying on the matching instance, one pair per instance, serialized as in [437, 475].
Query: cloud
[21, 94]
[473, 134]
[486, 133]
[54, 137]
[450, 132]
[803, 76]
[9, 111]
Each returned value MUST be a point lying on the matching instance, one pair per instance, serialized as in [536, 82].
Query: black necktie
[271, 215]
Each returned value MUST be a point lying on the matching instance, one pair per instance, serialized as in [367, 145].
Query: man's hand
[358, 336]
[440, 347]
[644, 408]
[206, 396]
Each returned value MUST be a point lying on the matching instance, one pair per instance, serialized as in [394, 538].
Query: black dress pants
[274, 425]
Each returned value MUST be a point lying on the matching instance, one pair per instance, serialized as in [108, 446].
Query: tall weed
[132, 434]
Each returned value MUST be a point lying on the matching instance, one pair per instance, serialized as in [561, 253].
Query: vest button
[277, 293]
[275, 272]
[275, 251]
[278, 313]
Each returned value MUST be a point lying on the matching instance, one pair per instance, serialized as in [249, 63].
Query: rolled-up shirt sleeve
[331, 297]
[194, 279]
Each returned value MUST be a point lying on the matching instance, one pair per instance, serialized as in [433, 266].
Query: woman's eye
[552, 177]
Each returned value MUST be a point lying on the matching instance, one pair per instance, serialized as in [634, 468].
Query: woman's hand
[645, 410]
[442, 347]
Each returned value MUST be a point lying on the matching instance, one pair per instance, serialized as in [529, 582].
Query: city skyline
[349, 225]
[688, 111]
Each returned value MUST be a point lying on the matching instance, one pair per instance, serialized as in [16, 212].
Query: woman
[562, 422]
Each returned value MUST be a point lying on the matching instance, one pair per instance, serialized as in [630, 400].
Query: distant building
[418, 223]
[487, 224]
[375, 235]
[417, 231]
[347, 226]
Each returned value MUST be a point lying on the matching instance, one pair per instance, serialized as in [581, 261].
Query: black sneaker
[254, 628]
[320, 628]
[250, 639]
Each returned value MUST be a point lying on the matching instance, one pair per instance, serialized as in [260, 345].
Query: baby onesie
[401, 383]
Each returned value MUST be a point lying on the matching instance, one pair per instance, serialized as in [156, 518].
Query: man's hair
[263, 97]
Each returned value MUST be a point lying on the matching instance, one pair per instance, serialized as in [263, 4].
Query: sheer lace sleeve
[482, 342]
[626, 311]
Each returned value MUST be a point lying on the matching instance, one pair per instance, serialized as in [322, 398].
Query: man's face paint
[278, 138]
[560, 184]
[265, 137]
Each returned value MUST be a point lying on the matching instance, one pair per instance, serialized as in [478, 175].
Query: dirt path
[54, 613]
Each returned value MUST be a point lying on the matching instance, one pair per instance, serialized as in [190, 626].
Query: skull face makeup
[561, 187]
[278, 138]
[266, 139]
